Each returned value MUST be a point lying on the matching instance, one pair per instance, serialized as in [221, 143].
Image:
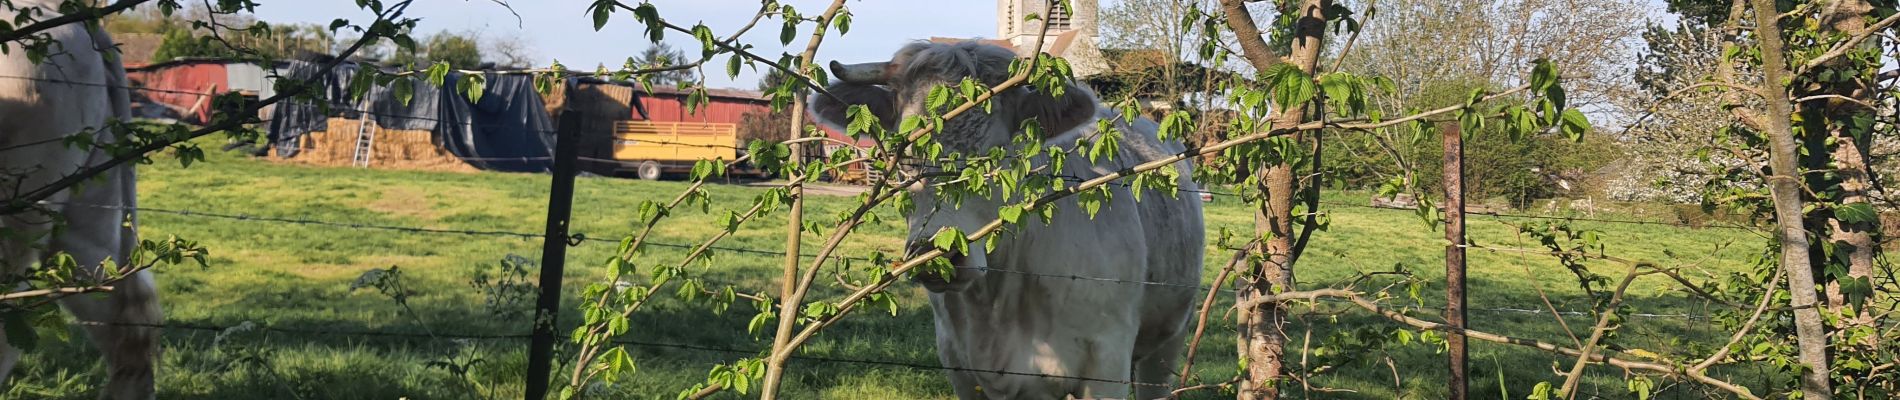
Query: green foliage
[182, 43]
[1499, 163]
[457, 50]
[659, 55]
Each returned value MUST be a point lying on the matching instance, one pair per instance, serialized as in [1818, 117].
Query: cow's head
[899, 88]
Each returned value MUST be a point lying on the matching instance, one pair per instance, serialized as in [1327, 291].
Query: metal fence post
[553, 256]
[1455, 255]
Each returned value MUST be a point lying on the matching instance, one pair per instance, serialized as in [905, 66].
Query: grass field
[297, 277]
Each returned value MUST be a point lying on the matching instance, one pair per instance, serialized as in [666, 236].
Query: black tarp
[507, 129]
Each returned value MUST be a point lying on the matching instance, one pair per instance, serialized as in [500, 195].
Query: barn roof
[717, 93]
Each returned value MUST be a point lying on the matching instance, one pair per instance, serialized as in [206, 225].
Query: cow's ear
[1058, 114]
[833, 112]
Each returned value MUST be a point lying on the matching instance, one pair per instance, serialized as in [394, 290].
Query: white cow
[79, 87]
[1014, 308]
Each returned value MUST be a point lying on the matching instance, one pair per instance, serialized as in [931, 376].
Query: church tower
[1071, 35]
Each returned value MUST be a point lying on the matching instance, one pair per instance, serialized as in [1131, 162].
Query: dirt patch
[404, 201]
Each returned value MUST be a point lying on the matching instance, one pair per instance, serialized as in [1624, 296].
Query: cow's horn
[866, 73]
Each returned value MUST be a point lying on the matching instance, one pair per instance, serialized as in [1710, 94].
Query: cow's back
[75, 89]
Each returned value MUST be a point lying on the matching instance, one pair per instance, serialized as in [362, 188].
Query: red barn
[182, 89]
[727, 106]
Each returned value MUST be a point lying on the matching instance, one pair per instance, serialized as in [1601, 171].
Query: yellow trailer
[650, 148]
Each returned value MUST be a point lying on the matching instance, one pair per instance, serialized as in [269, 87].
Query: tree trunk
[1262, 341]
[1785, 188]
[1847, 18]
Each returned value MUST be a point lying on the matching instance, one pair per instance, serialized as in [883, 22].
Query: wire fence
[582, 238]
[578, 239]
[912, 163]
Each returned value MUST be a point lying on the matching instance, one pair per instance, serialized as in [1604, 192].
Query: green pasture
[297, 277]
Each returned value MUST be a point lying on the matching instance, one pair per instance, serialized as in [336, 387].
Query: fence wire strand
[625, 342]
[582, 238]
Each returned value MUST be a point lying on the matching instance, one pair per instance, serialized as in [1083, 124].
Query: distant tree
[459, 50]
[659, 55]
[771, 126]
[181, 35]
[508, 52]
[181, 43]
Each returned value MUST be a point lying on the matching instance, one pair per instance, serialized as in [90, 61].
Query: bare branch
[91, 14]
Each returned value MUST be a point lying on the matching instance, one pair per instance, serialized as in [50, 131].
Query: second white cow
[1080, 307]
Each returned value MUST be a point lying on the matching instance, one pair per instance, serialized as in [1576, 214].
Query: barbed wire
[581, 238]
[627, 342]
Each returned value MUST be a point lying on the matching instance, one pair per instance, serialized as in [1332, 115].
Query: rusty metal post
[553, 256]
[1455, 255]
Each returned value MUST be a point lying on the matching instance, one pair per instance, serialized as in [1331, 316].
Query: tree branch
[91, 14]
[1841, 49]
[1252, 45]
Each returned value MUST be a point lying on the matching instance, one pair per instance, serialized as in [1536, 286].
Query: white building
[1070, 36]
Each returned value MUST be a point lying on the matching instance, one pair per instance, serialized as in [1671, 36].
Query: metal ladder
[365, 138]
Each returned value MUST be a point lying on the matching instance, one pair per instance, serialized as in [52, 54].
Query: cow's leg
[964, 385]
[1108, 362]
[1155, 370]
[123, 325]
[123, 322]
[19, 251]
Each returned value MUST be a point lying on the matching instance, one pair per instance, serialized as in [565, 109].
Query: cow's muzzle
[962, 273]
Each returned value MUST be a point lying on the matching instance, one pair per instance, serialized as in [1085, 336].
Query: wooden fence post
[553, 255]
[1455, 255]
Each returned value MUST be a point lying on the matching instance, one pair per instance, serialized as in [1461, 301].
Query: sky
[562, 30]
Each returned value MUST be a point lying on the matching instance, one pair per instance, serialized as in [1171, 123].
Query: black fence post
[553, 256]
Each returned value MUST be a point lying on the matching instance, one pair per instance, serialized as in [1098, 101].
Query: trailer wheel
[649, 171]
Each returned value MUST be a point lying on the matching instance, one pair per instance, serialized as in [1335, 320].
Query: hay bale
[391, 148]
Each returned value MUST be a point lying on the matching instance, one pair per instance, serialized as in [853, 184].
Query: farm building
[511, 127]
[183, 89]
[507, 129]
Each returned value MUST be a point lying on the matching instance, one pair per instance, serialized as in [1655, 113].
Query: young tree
[659, 55]
[1799, 81]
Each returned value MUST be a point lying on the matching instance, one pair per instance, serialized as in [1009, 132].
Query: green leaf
[951, 239]
[1575, 125]
[1011, 213]
[1855, 213]
[602, 11]
[405, 90]
[843, 21]
[438, 73]
[1543, 75]
[19, 330]
[650, 16]
[1540, 392]
[472, 86]
[1641, 386]
[1291, 86]
[1176, 125]
[862, 120]
[708, 43]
